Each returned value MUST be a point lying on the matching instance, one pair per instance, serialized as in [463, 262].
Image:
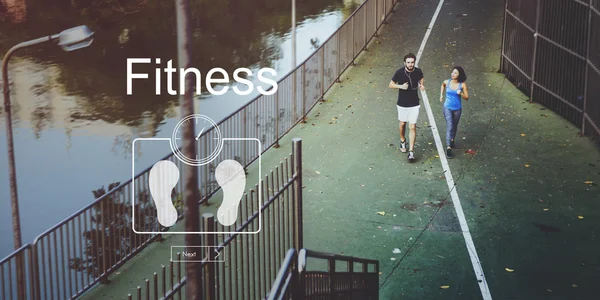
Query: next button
[189, 254]
[195, 254]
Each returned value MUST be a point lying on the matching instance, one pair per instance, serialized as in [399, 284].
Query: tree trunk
[191, 193]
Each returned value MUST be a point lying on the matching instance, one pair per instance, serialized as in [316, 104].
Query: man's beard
[410, 68]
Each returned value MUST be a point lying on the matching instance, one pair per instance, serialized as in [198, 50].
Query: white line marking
[483, 286]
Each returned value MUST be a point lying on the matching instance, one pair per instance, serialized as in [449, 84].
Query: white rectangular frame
[195, 232]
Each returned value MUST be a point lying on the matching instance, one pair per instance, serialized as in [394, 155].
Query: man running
[407, 80]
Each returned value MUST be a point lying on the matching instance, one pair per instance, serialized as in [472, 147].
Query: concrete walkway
[533, 218]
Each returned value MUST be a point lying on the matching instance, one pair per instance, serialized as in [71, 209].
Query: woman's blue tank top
[452, 98]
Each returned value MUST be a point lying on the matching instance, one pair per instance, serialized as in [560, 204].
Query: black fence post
[297, 153]
[587, 68]
[208, 221]
[276, 120]
[535, 44]
[501, 69]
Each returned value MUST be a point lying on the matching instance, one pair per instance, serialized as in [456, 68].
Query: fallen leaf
[444, 286]
[522, 134]
[396, 250]
[580, 217]
[509, 270]
[471, 151]
[546, 209]
[437, 156]
[317, 172]
[588, 182]
[381, 213]
[574, 285]
[527, 165]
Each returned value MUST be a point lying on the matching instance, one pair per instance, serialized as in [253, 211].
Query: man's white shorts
[408, 114]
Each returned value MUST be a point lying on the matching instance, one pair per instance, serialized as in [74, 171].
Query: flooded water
[73, 120]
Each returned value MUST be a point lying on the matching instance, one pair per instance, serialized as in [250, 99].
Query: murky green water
[73, 120]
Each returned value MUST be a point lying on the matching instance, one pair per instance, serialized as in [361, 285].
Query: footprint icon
[231, 177]
[164, 175]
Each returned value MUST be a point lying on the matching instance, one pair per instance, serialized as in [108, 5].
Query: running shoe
[403, 146]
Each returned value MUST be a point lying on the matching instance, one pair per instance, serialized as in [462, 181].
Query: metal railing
[246, 264]
[331, 282]
[551, 51]
[286, 284]
[85, 248]
[10, 287]
[326, 280]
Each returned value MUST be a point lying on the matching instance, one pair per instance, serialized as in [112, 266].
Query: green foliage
[111, 236]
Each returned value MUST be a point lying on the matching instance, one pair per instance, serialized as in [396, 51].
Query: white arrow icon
[218, 253]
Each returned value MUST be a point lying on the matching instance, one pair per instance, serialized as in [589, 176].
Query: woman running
[455, 88]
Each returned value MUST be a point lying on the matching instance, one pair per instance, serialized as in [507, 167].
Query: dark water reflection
[74, 123]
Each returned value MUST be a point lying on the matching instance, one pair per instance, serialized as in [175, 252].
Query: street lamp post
[70, 39]
[293, 34]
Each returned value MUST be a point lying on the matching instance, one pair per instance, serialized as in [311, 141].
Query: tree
[111, 236]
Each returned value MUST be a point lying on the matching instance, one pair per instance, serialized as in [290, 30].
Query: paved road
[526, 160]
